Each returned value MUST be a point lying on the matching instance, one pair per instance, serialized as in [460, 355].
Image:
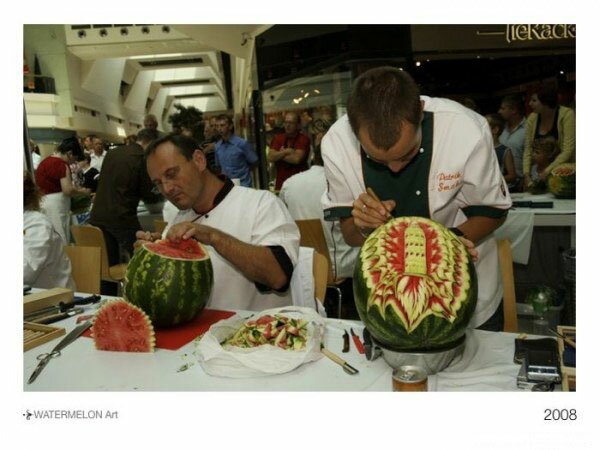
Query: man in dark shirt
[122, 184]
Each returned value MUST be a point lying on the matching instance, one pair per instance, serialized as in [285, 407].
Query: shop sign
[542, 32]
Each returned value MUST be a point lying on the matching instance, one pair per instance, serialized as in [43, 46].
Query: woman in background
[549, 119]
[53, 177]
[45, 264]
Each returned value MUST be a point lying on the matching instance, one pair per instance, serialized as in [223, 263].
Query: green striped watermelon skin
[434, 332]
[172, 291]
[561, 181]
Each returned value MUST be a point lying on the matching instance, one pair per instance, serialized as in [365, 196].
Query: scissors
[45, 358]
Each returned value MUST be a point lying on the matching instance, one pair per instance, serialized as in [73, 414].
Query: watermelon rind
[171, 290]
[561, 181]
[436, 313]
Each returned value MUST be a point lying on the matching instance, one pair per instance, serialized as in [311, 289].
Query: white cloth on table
[57, 207]
[45, 264]
[518, 229]
[256, 217]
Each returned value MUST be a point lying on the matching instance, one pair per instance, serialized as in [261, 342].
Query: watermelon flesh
[415, 286]
[120, 326]
[170, 281]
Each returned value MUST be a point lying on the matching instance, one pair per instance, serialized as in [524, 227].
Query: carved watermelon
[415, 286]
[170, 281]
[561, 181]
[120, 326]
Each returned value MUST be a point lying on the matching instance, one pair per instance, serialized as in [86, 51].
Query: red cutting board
[177, 337]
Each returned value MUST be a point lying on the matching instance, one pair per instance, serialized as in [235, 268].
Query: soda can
[409, 379]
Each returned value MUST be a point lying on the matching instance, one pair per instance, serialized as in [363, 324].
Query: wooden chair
[312, 235]
[159, 225]
[88, 235]
[320, 271]
[85, 267]
[508, 283]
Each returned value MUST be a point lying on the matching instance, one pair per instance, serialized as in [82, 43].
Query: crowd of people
[418, 155]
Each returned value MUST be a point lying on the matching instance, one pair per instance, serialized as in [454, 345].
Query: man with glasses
[420, 156]
[252, 239]
[289, 150]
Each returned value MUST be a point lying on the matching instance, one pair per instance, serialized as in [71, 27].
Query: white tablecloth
[486, 365]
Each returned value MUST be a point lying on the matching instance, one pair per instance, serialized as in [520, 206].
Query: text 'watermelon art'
[415, 286]
[170, 281]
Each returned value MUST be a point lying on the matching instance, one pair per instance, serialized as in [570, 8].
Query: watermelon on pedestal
[415, 286]
[561, 181]
[171, 282]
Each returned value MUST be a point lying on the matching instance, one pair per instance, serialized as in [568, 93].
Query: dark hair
[84, 157]
[225, 117]
[317, 159]
[547, 94]
[514, 101]
[496, 121]
[31, 194]
[185, 144]
[547, 144]
[381, 99]
[146, 135]
[70, 145]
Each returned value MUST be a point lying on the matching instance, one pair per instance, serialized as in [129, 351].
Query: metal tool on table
[62, 307]
[357, 343]
[45, 358]
[372, 351]
[45, 320]
[336, 359]
[346, 347]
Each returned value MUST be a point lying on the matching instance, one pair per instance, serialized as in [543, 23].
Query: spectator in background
[88, 143]
[470, 103]
[90, 174]
[150, 122]
[504, 154]
[512, 110]
[45, 264]
[36, 157]
[98, 153]
[302, 195]
[543, 151]
[53, 177]
[289, 150]
[549, 119]
[131, 139]
[233, 154]
[121, 186]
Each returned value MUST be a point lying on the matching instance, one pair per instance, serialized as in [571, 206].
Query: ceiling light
[316, 91]
[124, 31]
[166, 29]
[145, 30]
[81, 34]
[307, 94]
[103, 32]
[418, 64]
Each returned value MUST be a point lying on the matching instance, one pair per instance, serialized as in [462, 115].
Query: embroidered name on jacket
[449, 181]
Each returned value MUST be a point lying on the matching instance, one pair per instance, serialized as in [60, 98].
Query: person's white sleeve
[36, 248]
[273, 225]
[484, 191]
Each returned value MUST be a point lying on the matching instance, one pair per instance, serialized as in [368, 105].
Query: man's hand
[470, 248]
[370, 212]
[188, 230]
[145, 236]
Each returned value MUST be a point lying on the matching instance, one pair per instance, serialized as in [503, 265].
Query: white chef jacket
[256, 217]
[96, 161]
[45, 264]
[454, 176]
[302, 194]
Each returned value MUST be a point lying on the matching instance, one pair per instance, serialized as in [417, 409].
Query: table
[519, 224]
[486, 365]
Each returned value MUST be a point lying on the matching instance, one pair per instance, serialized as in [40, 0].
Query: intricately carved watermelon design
[170, 281]
[415, 286]
[561, 181]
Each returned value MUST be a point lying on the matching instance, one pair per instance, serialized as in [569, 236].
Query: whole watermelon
[561, 181]
[170, 281]
[415, 286]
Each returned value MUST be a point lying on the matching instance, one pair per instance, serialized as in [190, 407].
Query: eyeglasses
[170, 176]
